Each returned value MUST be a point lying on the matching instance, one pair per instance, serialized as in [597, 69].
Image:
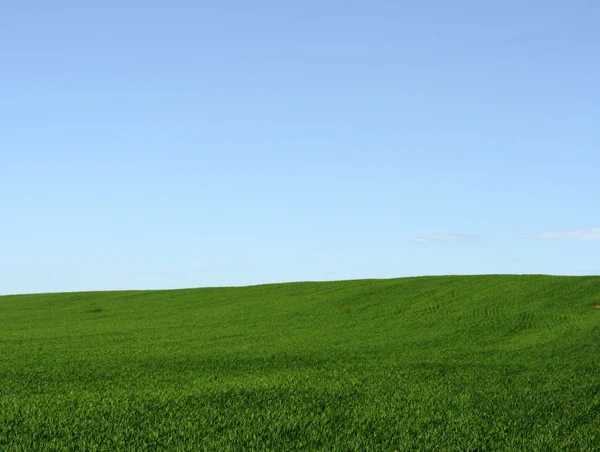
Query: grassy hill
[432, 363]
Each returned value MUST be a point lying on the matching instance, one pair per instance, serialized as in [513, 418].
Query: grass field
[432, 363]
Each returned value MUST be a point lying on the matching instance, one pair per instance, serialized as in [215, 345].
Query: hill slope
[465, 363]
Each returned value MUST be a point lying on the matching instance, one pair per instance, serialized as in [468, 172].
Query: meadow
[466, 363]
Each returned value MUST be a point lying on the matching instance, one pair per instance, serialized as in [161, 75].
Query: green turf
[433, 363]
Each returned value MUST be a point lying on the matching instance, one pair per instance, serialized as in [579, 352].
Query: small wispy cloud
[571, 234]
[454, 239]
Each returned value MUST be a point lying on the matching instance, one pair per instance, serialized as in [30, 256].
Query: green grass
[433, 363]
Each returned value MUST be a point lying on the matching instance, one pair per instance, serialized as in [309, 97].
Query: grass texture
[433, 363]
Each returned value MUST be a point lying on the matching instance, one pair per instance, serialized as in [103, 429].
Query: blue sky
[190, 143]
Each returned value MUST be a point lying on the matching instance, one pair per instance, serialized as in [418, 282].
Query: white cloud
[456, 239]
[571, 234]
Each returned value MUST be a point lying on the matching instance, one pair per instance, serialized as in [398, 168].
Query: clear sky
[148, 144]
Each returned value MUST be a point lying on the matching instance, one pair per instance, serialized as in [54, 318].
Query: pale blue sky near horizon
[149, 145]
